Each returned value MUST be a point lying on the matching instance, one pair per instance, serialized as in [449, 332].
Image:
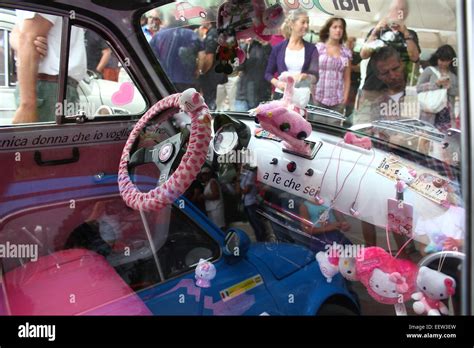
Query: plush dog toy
[433, 287]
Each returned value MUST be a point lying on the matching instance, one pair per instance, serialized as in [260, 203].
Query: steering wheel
[164, 154]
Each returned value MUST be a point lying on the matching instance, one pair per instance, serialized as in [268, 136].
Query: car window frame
[70, 20]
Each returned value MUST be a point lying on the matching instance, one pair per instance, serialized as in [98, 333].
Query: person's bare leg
[368, 231]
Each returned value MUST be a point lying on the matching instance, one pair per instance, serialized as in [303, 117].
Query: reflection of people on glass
[177, 50]
[213, 198]
[391, 31]
[294, 55]
[443, 232]
[441, 73]
[355, 75]
[326, 232]
[38, 77]
[253, 88]
[152, 24]
[248, 177]
[332, 90]
[98, 52]
[388, 103]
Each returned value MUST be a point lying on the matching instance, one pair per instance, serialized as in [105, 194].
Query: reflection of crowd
[228, 195]
[354, 83]
[36, 40]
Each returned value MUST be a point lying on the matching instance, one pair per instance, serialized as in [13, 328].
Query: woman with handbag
[438, 88]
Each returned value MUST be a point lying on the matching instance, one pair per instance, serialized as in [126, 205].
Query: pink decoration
[124, 95]
[44, 287]
[387, 279]
[191, 102]
[363, 142]
[283, 119]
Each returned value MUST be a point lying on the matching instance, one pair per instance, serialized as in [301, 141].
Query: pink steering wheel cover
[188, 169]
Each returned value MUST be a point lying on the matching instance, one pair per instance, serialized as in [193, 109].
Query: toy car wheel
[202, 14]
[182, 19]
[329, 309]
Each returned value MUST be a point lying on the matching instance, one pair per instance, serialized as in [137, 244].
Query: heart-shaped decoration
[386, 278]
[124, 95]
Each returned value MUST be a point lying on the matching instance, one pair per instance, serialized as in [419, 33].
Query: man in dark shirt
[209, 79]
[177, 49]
[253, 88]
[98, 52]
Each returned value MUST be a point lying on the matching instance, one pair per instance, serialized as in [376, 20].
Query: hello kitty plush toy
[267, 19]
[434, 287]
[347, 268]
[329, 265]
[205, 272]
[387, 279]
[405, 177]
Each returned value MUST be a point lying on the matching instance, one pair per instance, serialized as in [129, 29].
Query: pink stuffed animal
[283, 119]
[267, 19]
[434, 287]
[363, 142]
[328, 265]
[388, 280]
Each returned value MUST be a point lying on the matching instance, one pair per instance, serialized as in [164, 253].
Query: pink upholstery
[84, 283]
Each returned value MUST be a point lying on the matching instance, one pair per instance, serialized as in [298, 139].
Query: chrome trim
[465, 31]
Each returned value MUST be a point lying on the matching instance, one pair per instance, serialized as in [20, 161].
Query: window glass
[385, 71]
[106, 89]
[103, 242]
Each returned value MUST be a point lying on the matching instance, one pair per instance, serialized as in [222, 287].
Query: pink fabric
[274, 114]
[330, 87]
[363, 142]
[191, 162]
[402, 273]
[84, 283]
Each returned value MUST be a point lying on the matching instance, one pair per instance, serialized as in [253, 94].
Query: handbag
[433, 101]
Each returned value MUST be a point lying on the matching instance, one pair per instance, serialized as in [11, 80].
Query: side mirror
[236, 245]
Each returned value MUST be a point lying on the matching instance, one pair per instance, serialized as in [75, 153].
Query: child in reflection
[324, 232]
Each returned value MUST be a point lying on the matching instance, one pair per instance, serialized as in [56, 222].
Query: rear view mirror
[236, 245]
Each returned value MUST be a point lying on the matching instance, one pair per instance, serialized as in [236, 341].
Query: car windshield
[383, 69]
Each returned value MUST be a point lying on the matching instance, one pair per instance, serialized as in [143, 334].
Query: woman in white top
[213, 198]
[294, 55]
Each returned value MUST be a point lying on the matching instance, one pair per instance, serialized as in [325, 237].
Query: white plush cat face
[205, 270]
[406, 176]
[381, 284]
[433, 283]
[190, 100]
[327, 269]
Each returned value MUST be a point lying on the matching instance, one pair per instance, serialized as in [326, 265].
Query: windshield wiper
[314, 110]
[412, 127]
